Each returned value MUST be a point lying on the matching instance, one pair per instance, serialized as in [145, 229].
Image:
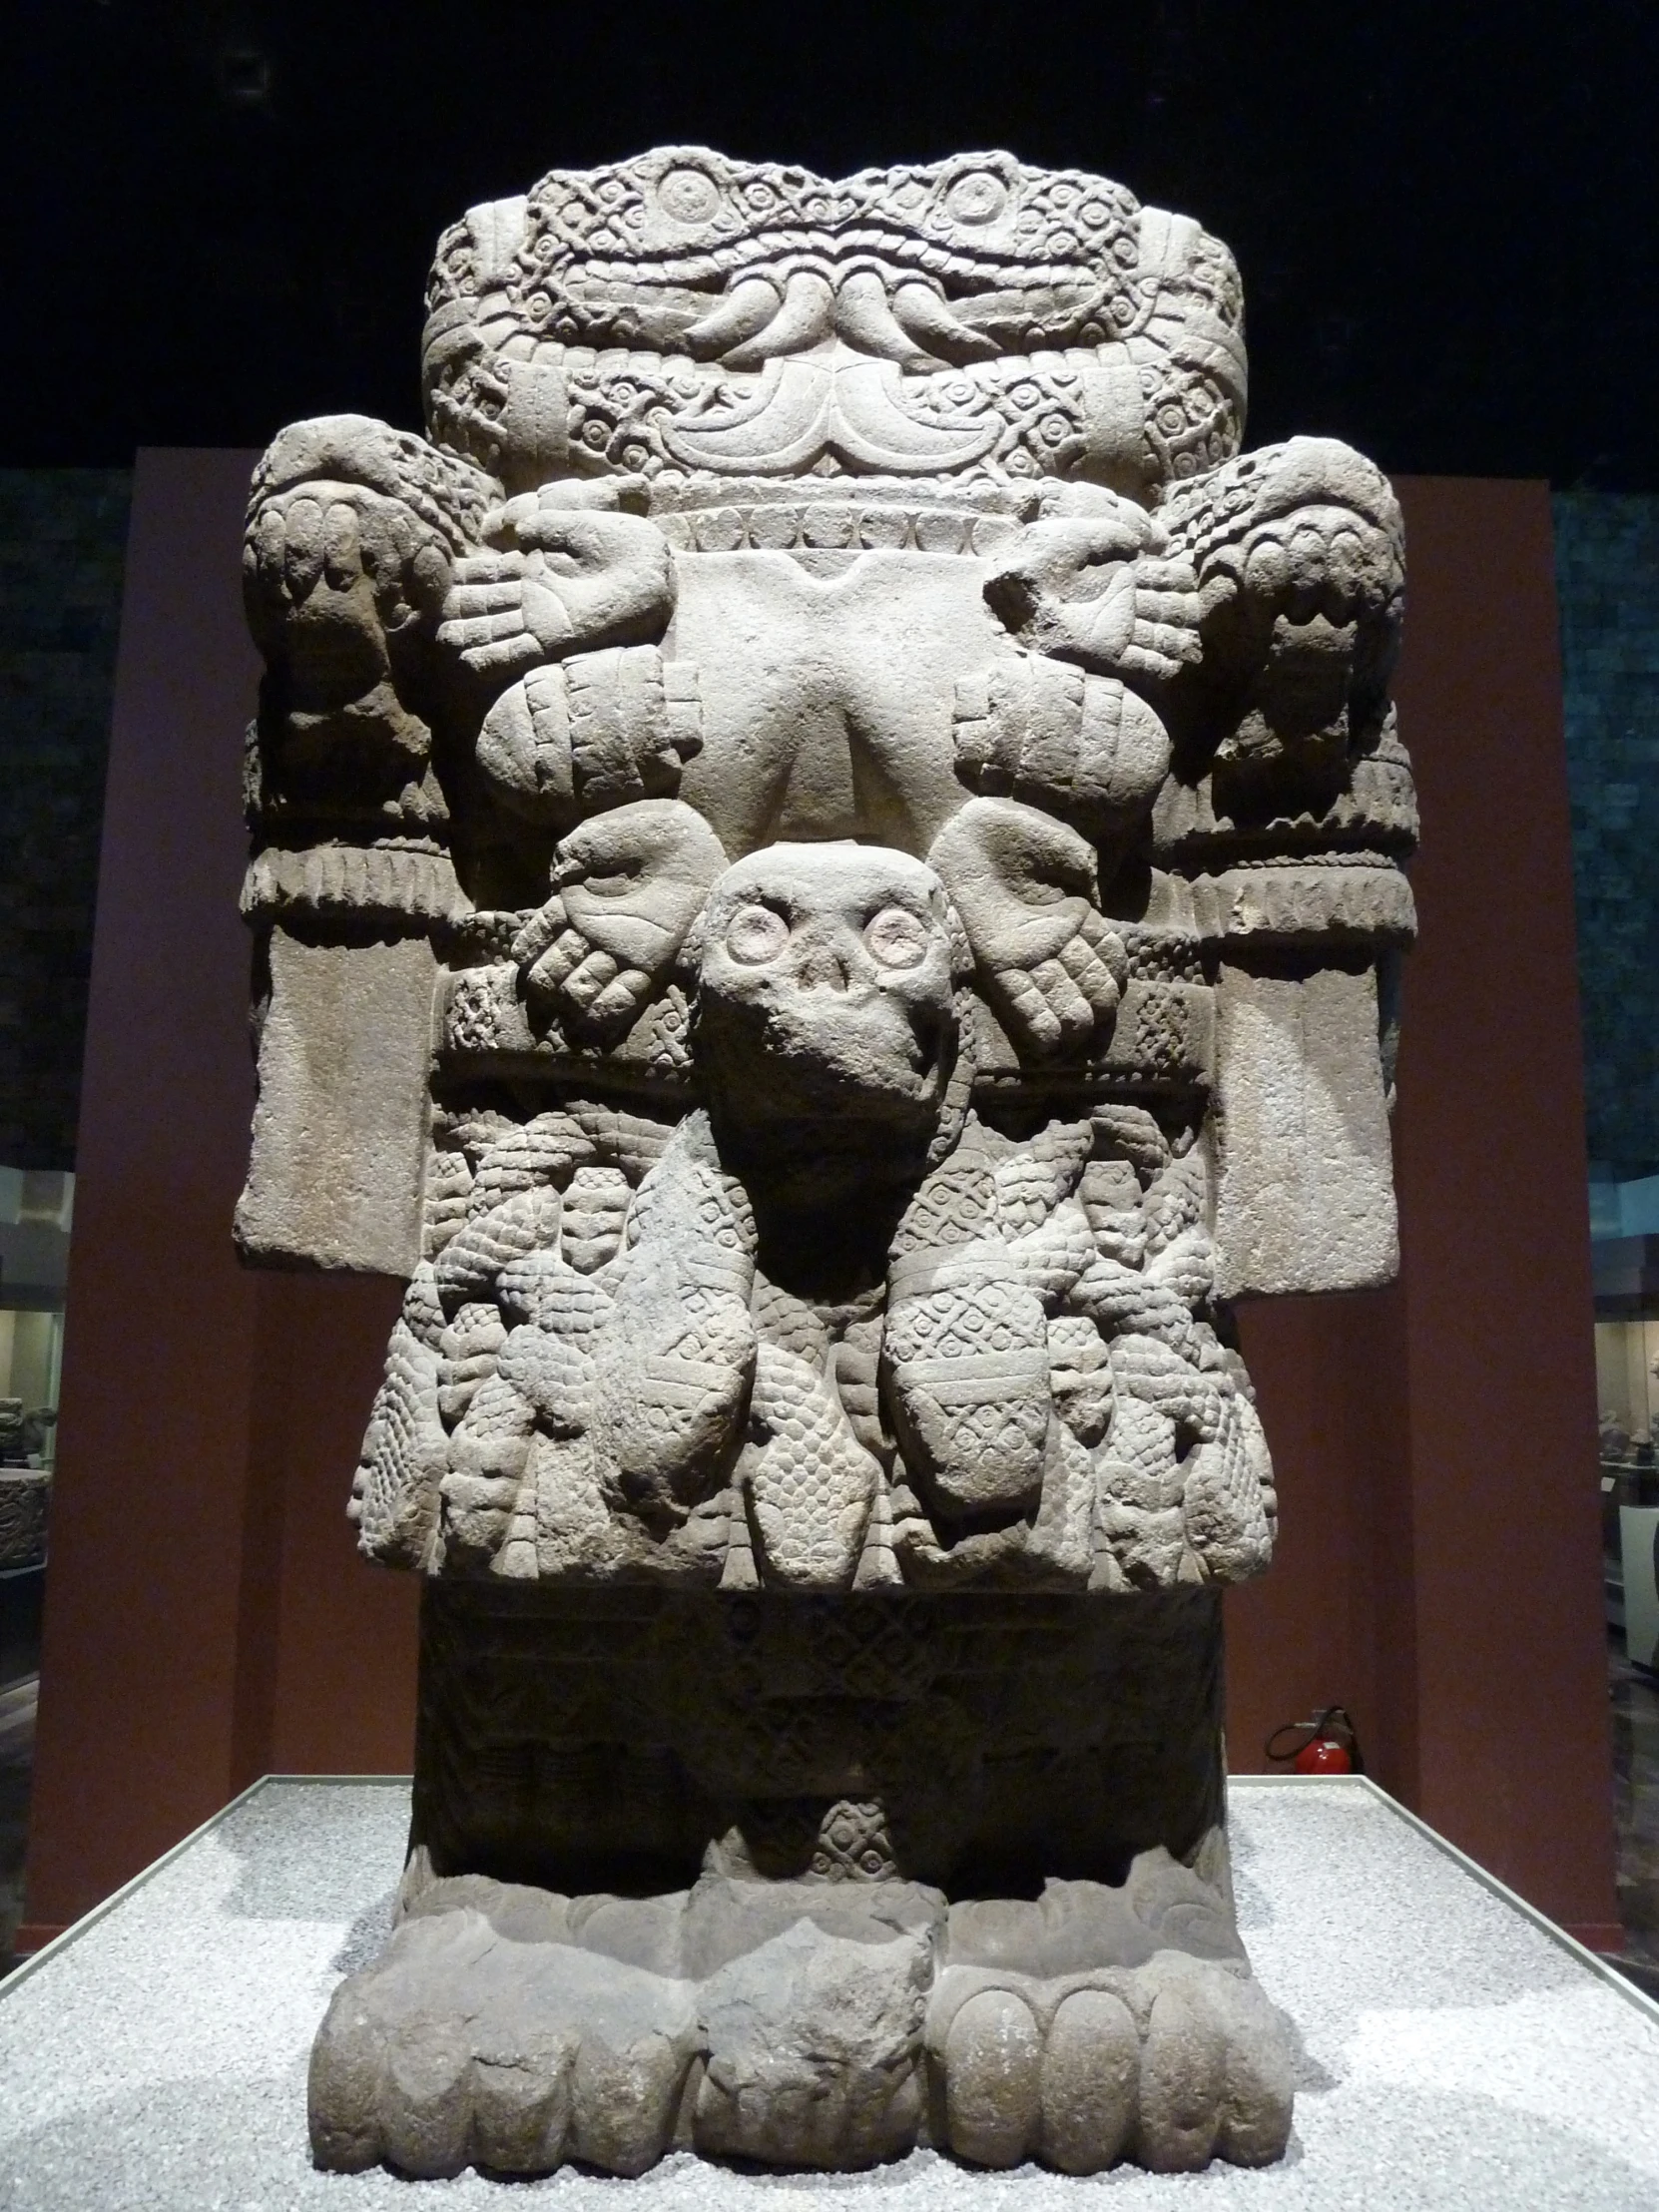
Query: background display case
[1627, 1401]
[36, 1205]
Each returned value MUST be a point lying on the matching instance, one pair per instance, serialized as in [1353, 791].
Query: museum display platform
[1457, 2050]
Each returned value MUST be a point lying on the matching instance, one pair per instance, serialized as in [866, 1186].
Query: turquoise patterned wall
[1607, 582]
[63, 536]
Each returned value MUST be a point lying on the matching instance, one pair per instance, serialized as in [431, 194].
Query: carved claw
[341, 584]
[1301, 587]
[331, 573]
[1024, 886]
[459, 2045]
[1324, 566]
[1173, 2064]
[626, 889]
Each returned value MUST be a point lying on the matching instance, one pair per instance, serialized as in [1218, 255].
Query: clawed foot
[804, 2023]
[1169, 2064]
[463, 2046]
[514, 2037]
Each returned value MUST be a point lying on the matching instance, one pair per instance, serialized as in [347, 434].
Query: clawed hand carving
[1316, 595]
[1024, 886]
[560, 579]
[340, 558]
[627, 887]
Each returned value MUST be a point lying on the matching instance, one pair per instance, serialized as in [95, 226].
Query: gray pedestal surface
[1457, 2052]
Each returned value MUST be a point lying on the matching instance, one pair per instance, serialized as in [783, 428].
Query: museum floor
[17, 1744]
[1453, 2056]
[1635, 1711]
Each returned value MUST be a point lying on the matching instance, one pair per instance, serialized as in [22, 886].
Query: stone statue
[25, 1490]
[824, 850]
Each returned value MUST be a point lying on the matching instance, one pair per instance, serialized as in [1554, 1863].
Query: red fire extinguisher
[1328, 1744]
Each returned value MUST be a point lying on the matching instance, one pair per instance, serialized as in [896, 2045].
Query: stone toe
[993, 2078]
[1090, 2083]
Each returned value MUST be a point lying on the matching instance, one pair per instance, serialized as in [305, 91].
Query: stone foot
[804, 2023]
[514, 2030]
[1169, 2064]
[463, 2046]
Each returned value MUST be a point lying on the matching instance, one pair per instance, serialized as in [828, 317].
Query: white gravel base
[1456, 2055]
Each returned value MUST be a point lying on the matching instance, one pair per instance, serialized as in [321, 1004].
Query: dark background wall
[63, 533]
[207, 1617]
[221, 212]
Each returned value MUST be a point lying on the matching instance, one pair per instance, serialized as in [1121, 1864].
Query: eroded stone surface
[821, 845]
[797, 2022]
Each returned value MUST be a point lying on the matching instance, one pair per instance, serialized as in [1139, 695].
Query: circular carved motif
[688, 194]
[979, 196]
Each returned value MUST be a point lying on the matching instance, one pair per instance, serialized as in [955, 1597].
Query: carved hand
[1102, 590]
[1315, 607]
[627, 887]
[561, 580]
[1024, 886]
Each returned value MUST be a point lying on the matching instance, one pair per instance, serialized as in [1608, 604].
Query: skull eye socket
[756, 934]
[897, 939]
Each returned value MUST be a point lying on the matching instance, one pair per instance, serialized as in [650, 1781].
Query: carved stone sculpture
[824, 850]
[25, 1491]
